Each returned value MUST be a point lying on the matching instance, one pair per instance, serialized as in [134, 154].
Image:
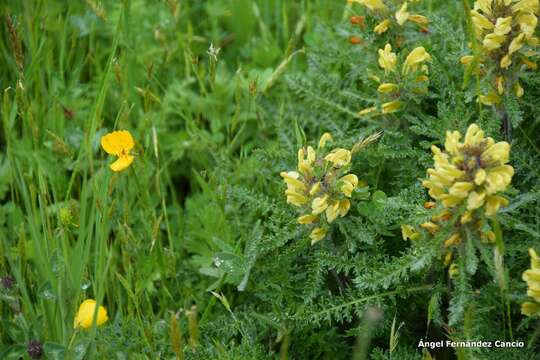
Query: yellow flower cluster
[466, 181]
[506, 31]
[532, 278]
[472, 172]
[321, 186]
[391, 14]
[394, 84]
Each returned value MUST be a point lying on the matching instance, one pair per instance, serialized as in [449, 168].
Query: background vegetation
[193, 250]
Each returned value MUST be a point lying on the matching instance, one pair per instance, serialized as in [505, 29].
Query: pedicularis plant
[163, 194]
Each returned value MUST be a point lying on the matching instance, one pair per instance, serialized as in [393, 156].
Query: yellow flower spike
[419, 19]
[339, 157]
[390, 107]
[317, 235]
[85, 315]
[382, 27]
[319, 204]
[307, 219]
[387, 88]
[119, 143]
[326, 137]
[387, 59]
[370, 4]
[415, 58]
[402, 15]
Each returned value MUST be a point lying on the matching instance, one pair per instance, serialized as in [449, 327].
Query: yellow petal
[122, 163]
[117, 142]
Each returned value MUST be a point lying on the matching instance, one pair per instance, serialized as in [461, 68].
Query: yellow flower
[415, 58]
[493, 41]
[370, 4]
[409, 232]
[527, 24]
[382, 26]
[85, 316]
[324, 139]
[503, 26]
[317, 235]
[402, 15]
[387, 59]
[350, 182]
[367, 111]
[390, 107]
[465, 60]
[119, 143]
[419, 19]
[473, 172]
[319, 204]
[339, 157]
[489, 99]
[307, 219]
[387, 88]
[484, 5]
[532, 278]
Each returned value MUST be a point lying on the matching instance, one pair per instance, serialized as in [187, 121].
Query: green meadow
[269, 179]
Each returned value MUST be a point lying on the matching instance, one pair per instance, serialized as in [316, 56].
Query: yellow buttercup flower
[532, 278]
[85, 316]
[119, 143]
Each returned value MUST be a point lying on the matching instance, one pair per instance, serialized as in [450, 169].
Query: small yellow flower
[85, 315]
[415, 58]
[350, 182]
[367, 111]
[532, 278]
[339, 157]
[317, 235]
[387, 88]
[324, 139]
[408, 232]
[390, 107]
[307, 219]
[419, 19]
[370, 4]
[387, 59]
[402, 15]
[382, 27]
[119, 143]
